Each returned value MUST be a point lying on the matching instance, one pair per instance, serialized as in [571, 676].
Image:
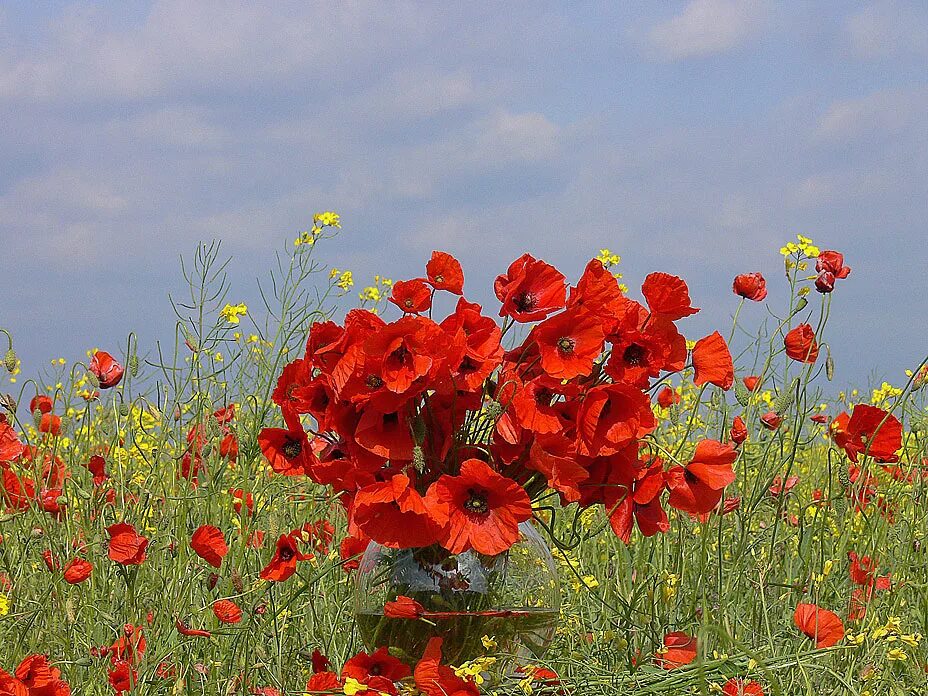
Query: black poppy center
[286, 553]
[476, 502]
[292, 449]
[374, 382]
[525, 301]
[566, 344]
[633, 355]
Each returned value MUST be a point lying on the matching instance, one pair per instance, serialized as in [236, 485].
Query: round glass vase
[512, 598]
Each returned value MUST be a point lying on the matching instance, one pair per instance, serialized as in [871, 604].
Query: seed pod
[829, 366]
[801, 305]
[133, 365]
[844, 477]
[418, 459]
[418, 429]
[742, 395]
[9, 361]
[786, 397]
[237, 581]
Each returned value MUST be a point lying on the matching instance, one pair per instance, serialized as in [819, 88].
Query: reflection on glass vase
[512, 598]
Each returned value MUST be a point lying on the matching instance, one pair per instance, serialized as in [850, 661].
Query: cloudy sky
[690, 137]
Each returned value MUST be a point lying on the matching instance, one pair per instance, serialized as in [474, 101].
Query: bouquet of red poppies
[433, 432]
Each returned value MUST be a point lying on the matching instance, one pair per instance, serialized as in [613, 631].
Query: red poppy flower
[825, 282]
[185, 630]
[411, 296]
[870, 431]
[740, 687]
[287, 394]
[712, 362]
[751, 382]
[642, 346]
[227, 611]
[779, 487]
[77, 570]
[96, 465]
[697, 488]
[445, 273]
[530, 290]
[667, 397]
[41, 678]
[633, 496]
[771, 420]
[863, 571]
[283, 564]
[209, 544]
[832, 262]
[821, 625]
[555, 458]
[750, 286]
[287, 450]
[611, 417]
[403, 608]
[122, 676]
[126, 545]
[679, 649]
[435, 679]
[350, 550]
[479, 509]
[667, 296]
[739, 431]
[385, 434]
[381, 664]
[800, 344]
[11, 686]
[569, 343]
[323, 683]
[10, 446]
[41, 403]
[105, 368]
[394, 514]
[598, 293]
[50, 423]
[819, 418]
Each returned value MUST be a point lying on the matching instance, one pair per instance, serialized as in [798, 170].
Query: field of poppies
[191, 517]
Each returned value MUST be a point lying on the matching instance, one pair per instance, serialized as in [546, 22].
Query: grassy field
[173, 447]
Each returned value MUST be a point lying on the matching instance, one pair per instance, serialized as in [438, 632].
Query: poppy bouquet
[433, 432]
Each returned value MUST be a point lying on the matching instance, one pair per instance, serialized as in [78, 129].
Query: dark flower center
[467, 365]
[633, 355]
[476, 502]
[408, 302]
[566, 344]
[292, 449]
[439, 279]
[374, 382]
[376, 669]
[286, 553]
[525, 301]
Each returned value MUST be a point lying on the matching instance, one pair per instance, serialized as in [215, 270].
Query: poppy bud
[212, 581]
[83, 662]
[9, 361]
[825, 282]
[123, 410]
[418, 459]
[134, 365]
[237, 581]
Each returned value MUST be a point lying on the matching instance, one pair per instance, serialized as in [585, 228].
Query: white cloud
[707, 27]
[882, 112]
[887, 29]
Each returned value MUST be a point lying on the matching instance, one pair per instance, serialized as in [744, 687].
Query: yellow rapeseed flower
[4, 605]
[231, 313]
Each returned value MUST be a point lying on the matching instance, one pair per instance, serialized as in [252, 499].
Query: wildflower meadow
[392, 489]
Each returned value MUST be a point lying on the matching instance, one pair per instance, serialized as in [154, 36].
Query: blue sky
[689, 137]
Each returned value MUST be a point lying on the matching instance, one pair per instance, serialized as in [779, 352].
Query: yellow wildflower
[4, 605]
[231, 313]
